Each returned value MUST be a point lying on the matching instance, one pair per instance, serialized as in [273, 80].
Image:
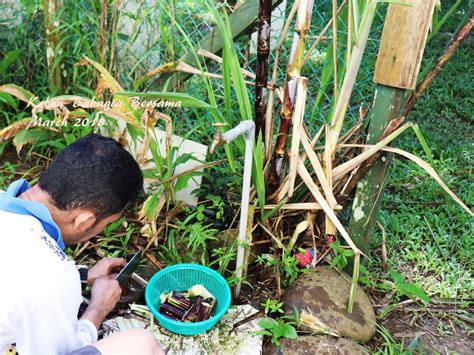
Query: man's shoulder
[25, 234]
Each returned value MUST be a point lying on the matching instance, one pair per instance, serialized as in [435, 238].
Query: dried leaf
[13, 129]
[20, 93]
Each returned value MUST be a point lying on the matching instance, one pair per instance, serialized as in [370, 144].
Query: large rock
[319, 345]
[325, 293]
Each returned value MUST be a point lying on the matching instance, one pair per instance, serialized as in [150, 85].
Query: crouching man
[86, 187]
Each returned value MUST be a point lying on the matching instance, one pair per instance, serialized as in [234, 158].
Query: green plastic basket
[181, 277]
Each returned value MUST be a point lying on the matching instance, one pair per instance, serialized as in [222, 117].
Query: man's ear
[83, 221]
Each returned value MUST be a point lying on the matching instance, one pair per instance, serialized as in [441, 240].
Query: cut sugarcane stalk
[303, 21]
[263, 51]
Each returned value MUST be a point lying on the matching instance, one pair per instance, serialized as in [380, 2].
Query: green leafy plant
[288, 266]
[116, 238]
[272, 306]
[277, 329]
[408, 289]
[342, 255]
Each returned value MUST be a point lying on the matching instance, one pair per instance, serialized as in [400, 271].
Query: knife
[129, 269]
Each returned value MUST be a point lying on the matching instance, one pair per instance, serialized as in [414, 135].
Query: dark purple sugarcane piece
[177, 313]
[206, 308]
[180, 301]
[192, 315]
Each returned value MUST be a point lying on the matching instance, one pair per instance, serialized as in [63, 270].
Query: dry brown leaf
[18, 92]
[13, 129]
[424, 165]
[325, 206]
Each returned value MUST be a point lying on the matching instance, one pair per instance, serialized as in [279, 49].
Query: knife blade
[129, 269]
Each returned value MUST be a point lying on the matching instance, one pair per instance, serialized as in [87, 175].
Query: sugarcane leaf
[275, 209]
[112, 84]
[425, 166]
[258, 173]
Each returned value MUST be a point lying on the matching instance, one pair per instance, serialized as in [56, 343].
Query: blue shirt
[9, 202]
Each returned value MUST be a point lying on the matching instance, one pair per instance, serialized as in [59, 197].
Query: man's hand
[104, 268]
[104, 296]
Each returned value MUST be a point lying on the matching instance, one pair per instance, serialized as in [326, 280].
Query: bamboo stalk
[303, 21]
[263, 51]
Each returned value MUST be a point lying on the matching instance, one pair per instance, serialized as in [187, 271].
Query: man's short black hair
[93, 173]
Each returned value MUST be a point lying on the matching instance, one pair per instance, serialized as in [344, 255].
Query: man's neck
[36, 194]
